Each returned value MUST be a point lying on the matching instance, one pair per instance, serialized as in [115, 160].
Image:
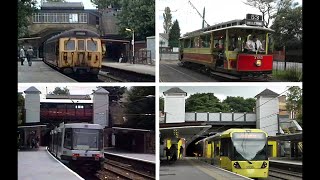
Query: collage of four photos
[159, 89]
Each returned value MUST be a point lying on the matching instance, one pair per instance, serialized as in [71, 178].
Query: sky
[216, 11]
[75, 89]
[87, 4]
[245, 90]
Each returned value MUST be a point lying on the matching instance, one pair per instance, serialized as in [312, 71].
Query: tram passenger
[249, 44]
[173, 153]
[257, 44]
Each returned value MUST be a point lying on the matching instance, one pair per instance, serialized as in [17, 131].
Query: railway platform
[40, 72]
[137, 68]
[149, 158]
[191, 168]
[40, 164]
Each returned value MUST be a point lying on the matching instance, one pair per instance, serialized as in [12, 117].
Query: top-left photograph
[86, 41]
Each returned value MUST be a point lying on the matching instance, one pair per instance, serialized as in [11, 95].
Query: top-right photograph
[230, 40]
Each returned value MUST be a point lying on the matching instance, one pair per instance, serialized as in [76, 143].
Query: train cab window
[81, 45]
[92, 45]
[69, 45]
[226, 147]
[67, 138]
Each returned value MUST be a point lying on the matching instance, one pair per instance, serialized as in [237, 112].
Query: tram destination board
[250, 135]
[254, 20]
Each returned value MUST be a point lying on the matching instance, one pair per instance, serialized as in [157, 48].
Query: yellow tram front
[242, 151]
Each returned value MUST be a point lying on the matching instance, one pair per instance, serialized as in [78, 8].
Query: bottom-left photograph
[89, 132]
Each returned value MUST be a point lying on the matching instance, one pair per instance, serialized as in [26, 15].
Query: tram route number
[258, 57]
[254, 17]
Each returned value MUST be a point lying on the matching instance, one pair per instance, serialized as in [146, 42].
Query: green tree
[174, 34]
[167, 20]
[294, 102]
[266, 7]
[205, 102]
[288, 25]
[139, 16]
[25, 10]
[239, 104]
[140, 108]
[20, 108]
[115, 92]
[161, 104]
[59, 91]
[105, 3]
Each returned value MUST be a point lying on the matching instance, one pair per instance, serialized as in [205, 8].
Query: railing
[231, 117]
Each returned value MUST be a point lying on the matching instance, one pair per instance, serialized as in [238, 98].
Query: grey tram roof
[62, 5]
[71, 33]
[32, 90]
[174, 90]
[78, 97]
[238, 23]
[267, 93]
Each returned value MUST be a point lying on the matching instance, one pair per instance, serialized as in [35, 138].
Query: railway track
[124, 171]
[275, 173]
[127, 76]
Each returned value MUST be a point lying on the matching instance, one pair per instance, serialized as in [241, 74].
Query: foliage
[239, 104]
[25, 10]
[205, 102]
[294, 102]
[266, 7]
[167, 20]
[174, 34]
[161, 104]
[59, 91]
[139, 16]
[288, 25]
[140, 109]
[20, 108]
[115, 92]
[105, 3]
[290, 75]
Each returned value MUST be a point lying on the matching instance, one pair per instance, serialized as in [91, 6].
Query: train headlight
[258, 63]
[75, 156]
[89, 56]
[264, 164]
[236, 165]
[65, 55]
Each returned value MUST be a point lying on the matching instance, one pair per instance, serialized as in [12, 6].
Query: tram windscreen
[87, 139]
[249, 146]
[92, 45]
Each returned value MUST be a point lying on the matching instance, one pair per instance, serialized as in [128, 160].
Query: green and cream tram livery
[221, 49]
[242, 151]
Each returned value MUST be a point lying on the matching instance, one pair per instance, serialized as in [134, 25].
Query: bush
[291, 75]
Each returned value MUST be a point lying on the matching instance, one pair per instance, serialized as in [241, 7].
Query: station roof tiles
[32, 90]
[174, 90]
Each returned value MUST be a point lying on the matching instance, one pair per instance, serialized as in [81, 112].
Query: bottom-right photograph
[230, 132]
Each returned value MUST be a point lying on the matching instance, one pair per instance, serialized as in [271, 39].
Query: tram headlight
[264, 164]
[258, 63]
[236, 165]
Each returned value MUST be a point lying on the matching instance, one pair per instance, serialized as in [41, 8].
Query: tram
[223, 49]
[242, 151]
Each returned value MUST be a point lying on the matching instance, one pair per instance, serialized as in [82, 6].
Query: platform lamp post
[131, 30]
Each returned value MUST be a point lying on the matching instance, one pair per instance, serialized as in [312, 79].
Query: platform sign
[254, 20]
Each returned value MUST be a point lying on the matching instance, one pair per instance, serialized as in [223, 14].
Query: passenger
[181, 152]
[121, 58]
[257, 44]
[167, 150]
[29, 55]
[37, 141]
[22, 55]
[249, 44]
[173, 150]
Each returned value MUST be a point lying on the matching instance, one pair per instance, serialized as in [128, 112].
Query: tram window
[69, 45]
[81, 45]
[205, 41]
[67, 138]
[187, 43]
[92, 45]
